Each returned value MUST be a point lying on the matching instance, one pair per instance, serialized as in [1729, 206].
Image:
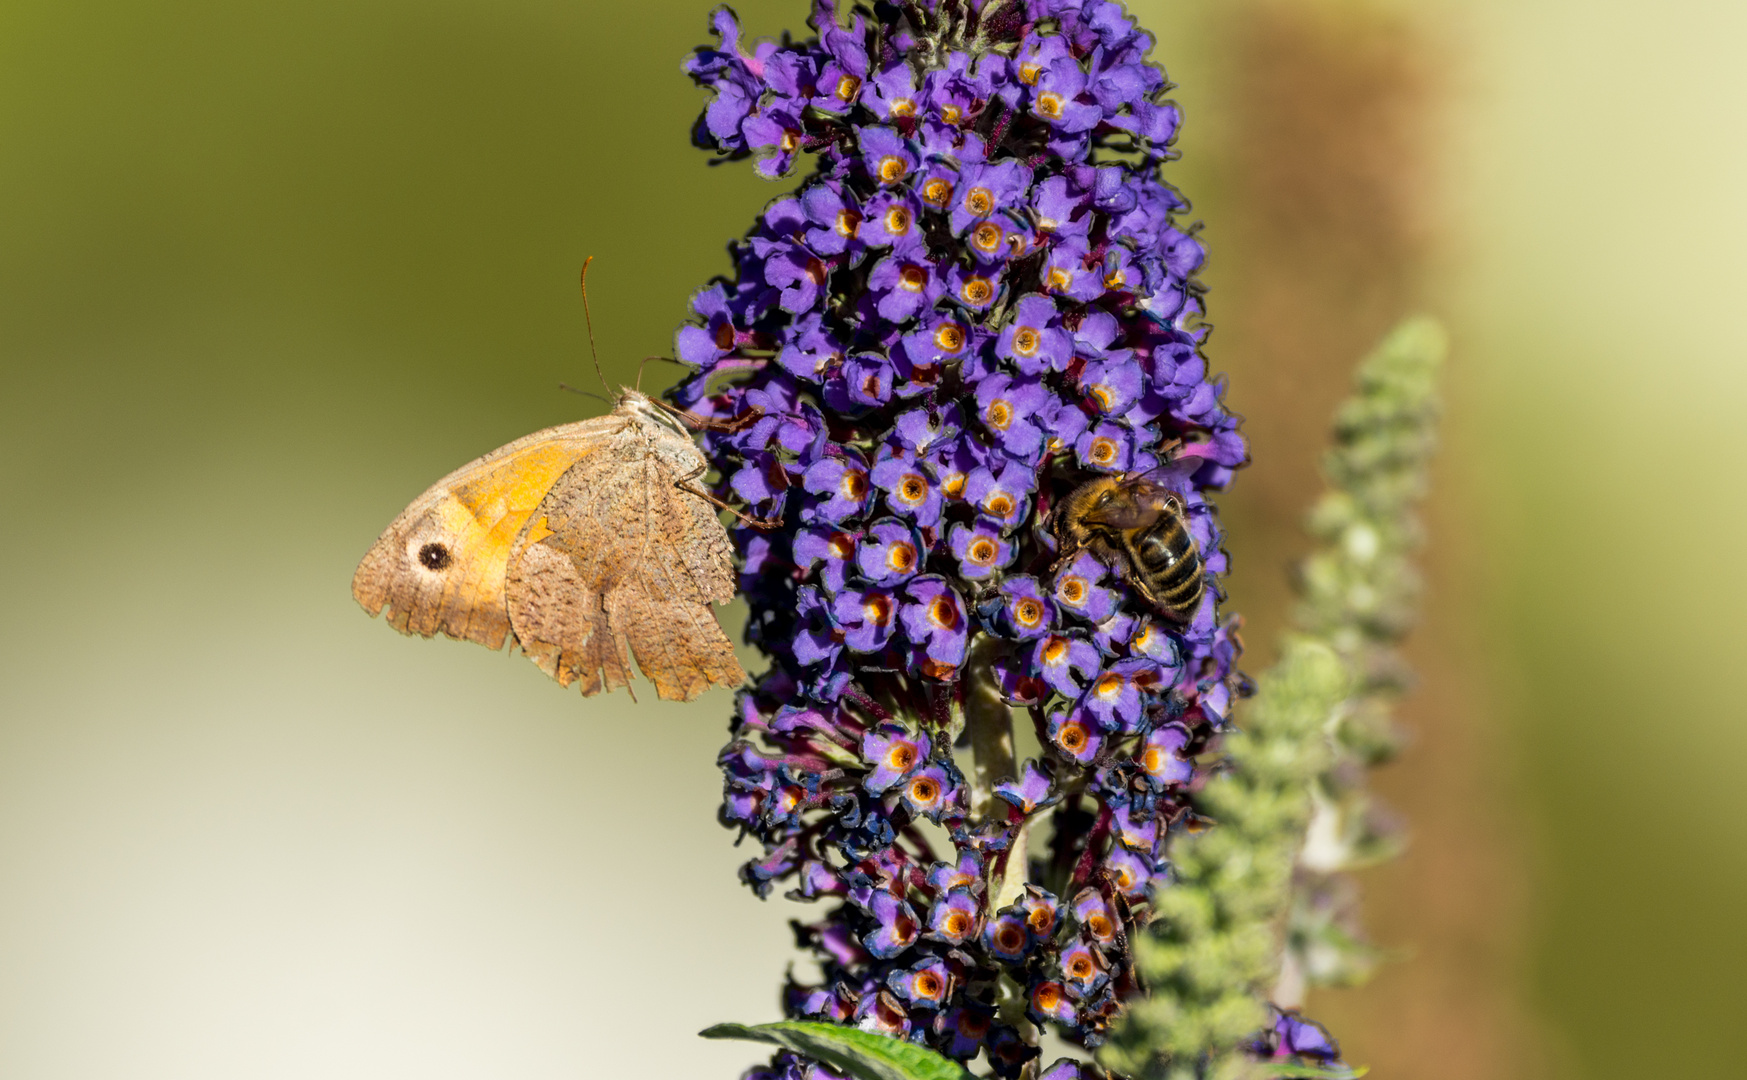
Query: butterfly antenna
[584, 393]
[589, 319]
[645, 364]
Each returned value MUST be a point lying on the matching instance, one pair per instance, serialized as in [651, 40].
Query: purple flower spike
[894, 755]
[1034, 789]
[1076, 734]
[1304, 1038]
[1161, 756]
[980, 549]
[980, 295]
[890, 554]
[934, 620]
[1033, 338]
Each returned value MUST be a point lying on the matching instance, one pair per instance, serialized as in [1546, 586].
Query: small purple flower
[1049, 1000]
[934, 621]
[967, 1029]
[1034, 789]
[816, 637]
[1137, 831]
[1117, 697]
[702, 346]
[953, 918]
[1033, 338]
[892, 223]
[932, 791]
[941, 339]
[1082, 968]
[980, 549]
[1012, 409]
[910, 492]
[1056, 658]
[811, 350]
[886, 154]
[826, 552]
[864, 382]
[1006, 938]
[1077, 591]
[1161, 755]
[865, 617]
[890, 553]
[1001, 490]
[1131, 871]
[967, 873]
[1095, 917]
[894, 755]
[985, 188]
[835, 220]
[1065, 272]
[900, 286]
[1067, 1069]
[841, 481]
[1076, 734]
[1109, 447]
[1026, 613]
[976, 288]
[1041, 911]
[799, 274]
[891, 94]
[919, 430]
[895, 926]
[925, 985]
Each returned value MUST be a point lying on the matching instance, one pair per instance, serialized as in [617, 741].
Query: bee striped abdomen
[1166, 559]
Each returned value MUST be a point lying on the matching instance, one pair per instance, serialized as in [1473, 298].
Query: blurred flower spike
[979, 298]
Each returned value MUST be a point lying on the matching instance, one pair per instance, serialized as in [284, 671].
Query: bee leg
[685, 484]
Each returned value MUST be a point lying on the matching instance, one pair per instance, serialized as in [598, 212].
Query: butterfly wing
[439, 567]
[617, 557]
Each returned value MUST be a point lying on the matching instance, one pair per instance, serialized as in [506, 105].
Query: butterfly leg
[705, 423]
[685, 484]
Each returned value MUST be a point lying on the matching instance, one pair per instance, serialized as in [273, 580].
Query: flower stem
[990, 722]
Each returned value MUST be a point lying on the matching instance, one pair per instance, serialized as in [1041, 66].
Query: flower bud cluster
[977, 301]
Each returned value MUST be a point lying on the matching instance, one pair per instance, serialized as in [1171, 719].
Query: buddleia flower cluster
[979, 298]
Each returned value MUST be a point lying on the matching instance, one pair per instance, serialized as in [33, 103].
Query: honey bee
[1135, 525]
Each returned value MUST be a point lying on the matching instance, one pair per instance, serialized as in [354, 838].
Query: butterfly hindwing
[439, 567]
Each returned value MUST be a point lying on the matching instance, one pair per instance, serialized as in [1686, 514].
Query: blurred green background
[267, 270]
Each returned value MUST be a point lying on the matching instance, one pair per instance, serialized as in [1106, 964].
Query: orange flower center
[1081, 967]
[1000, 504]
[1028, 612]
[982, 552]
[1041, 920]
[853, 485]
[943, 613]
[791, 139]
[892, 169]
[952, 114]
[956, 924]
[1056, 651]
[1000, 414]
[1010, 938]
[1103, 396]
[1072, 737]
[848, 222]
[1047, 998]
[846, 87]
[1115, 279]
[1026, 340]
[877, 610]
[901, 756]
[1029, 71]
[937, 192]
[979, 201]
[898, 221]
[987, 237]
[913, 488]
[924, 791]
[1058, 278]
[900, 557]
[1073, 590]
[927, 985]
[903, 107]
[1049, 105]
[977, 291]
[842, 544]
[1109, 686]
[1100, 926]
[948, 337]
[912, 278]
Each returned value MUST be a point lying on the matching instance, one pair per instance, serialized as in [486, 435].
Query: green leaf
[1315, 1072]
[863, 1054]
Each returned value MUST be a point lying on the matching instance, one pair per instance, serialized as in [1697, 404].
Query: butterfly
[577, 542]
